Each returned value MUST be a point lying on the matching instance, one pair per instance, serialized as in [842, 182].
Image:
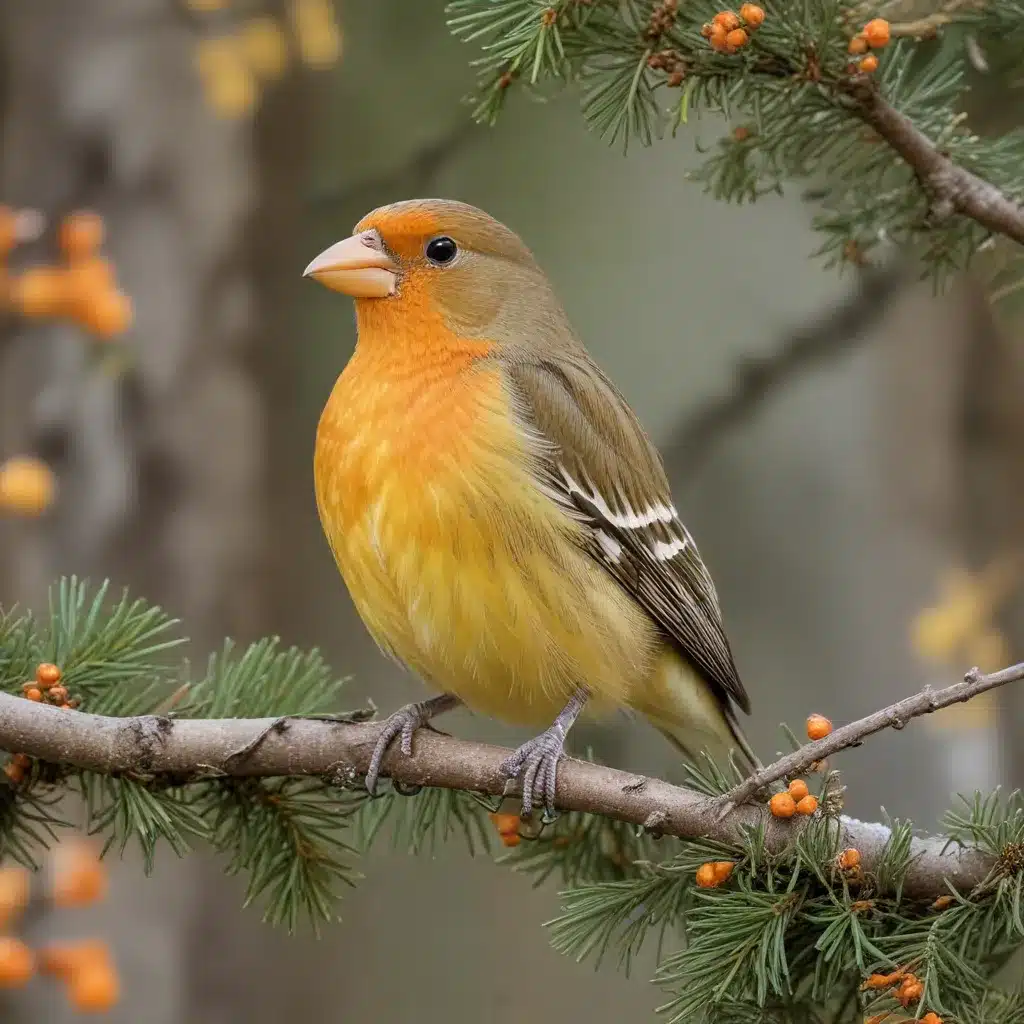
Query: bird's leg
[536, 761]
[404, 722]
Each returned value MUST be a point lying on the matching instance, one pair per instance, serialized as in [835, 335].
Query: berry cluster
[728, 32]
[45, 688]
[86, 968]
[236, 66]
[907, 989]
[797, 799]
[873, 36]
[82, 288]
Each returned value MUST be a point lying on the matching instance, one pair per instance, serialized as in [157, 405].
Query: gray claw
[536, 764]
[404, 722]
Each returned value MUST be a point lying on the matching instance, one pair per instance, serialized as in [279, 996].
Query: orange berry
[942, 903]
[14, 772]
[818, 727]
[910, 990]
[79, 878]
[47, 674]
[34, 693]
[94, 988]
[877, 981]
[57, 694]
[849, 859]
[15, 889]
[782, 805]
[87, 278]
[808, 805]
[727, 20]
[22, 761]
[717, 39]
[706, 876]
[106, 313]
[17, 963]
[81, 234]
[27, 486]
[752, 15]
[736, 39]
[798, 789]
[508, 828]
[931, 1017]
[876, 32]
[858, 45]
[868, 64]
[40, 291]
[723, 870]
[706, 29]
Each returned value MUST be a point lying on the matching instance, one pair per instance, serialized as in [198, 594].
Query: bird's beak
[356, 266]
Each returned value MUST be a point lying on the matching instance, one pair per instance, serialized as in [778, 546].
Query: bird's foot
[403, 723]
[535, 764]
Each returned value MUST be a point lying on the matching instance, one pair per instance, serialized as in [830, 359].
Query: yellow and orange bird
[501, 520]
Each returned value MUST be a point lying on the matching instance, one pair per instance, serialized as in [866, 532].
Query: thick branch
[191, 750]
[895, 716]
[952, 188]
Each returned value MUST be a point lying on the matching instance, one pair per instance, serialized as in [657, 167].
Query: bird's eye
[441, 250]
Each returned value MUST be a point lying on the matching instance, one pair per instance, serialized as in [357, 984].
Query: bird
[503, 523]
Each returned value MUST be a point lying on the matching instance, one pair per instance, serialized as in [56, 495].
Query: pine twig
[197, 749]
[952, 188]
[895, 716]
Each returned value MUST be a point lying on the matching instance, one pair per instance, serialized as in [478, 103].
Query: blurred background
[847, 450]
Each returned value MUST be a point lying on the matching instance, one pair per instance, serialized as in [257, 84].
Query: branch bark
[192, 750]
[952, 188]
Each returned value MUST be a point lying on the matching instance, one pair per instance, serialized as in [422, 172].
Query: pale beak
[356, 266]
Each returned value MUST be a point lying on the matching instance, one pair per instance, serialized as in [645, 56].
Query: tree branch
[193, 750]
[895, 716]
[757, 379]
[952, 188]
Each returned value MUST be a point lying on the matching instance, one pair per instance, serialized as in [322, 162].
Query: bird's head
[440, 258]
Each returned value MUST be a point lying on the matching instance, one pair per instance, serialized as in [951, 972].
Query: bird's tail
[696, 720]
[721, 746]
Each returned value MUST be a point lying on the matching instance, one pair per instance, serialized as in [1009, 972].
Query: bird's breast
[456, 561]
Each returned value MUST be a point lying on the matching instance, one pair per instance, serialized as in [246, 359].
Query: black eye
[441, 250]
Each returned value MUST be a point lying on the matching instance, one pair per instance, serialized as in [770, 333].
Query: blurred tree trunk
[163, 463]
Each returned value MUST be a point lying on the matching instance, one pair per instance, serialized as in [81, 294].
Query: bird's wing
[596, 461]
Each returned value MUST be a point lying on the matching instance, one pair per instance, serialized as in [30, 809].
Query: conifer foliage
[865, 113]
[745, 930]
